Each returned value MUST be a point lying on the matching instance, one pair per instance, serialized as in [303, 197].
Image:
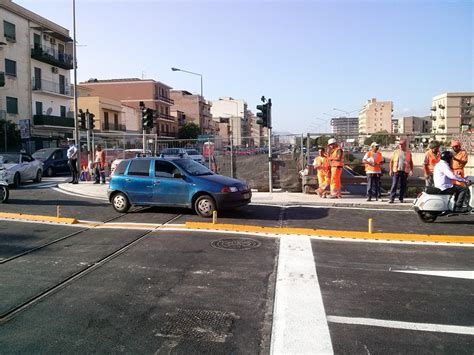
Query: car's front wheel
[16, 180]
[205, 206]
[49, 172]
[120, 202]
[39, 175]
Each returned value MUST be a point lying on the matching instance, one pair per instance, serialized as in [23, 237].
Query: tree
[189, 131]
[382, 137]
[12, 134]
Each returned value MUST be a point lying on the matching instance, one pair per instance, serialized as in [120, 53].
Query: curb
[333, 233]
[37, 218]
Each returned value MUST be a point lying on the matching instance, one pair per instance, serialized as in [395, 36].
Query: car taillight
[419, 194]
[229, 189]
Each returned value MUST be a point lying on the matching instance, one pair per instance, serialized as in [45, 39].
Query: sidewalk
[280, 198]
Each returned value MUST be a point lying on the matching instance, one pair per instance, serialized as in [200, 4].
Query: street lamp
[190, 72]
[232, 134]
[347, 115]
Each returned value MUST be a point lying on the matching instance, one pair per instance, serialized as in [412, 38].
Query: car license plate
[247, 195]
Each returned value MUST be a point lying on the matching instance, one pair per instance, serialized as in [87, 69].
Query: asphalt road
[77, 290]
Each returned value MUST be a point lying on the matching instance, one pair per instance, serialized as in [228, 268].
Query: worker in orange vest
[373, 161]
[432, 158]
[401, 165]
[321, 164]
[459, 160]
[336, 162]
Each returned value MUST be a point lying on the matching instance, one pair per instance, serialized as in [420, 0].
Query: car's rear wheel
[4, 194]
[120, 202]
[204, 206]
[49, 172]
[39, 175]
[16, 180]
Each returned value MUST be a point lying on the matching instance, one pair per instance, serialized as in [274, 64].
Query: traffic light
[91, 120]
[265, 114]
[147, 118]
[82, 116]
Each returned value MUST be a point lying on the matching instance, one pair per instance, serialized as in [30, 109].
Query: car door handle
[156, 182]
[128, 180]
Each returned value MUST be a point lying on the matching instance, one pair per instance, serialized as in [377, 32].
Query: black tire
[39, 176]
[120, 202]
[427, 217]
[16, 180]
[4, 194]
[204, 206]
[49, 172]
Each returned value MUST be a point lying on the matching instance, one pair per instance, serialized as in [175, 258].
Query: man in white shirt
[72, 161]
[443, 177]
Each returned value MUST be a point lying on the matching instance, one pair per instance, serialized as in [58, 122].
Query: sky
[309, 57]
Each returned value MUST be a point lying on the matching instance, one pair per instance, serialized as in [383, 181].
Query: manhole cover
[235, 244]
[204, 325]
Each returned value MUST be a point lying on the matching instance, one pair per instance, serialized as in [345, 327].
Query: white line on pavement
[333, 207]
[79, 195]
[425, 327]
[459, 274]
[299, 318]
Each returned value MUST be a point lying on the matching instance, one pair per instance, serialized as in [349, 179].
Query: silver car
[21, 167]
[194, 155]
[174, 153]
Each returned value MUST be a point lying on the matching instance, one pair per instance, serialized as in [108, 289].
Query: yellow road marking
[31, 217]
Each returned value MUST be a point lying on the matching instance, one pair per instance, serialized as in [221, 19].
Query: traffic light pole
[89, 150]
[144, 142]
[270, 177]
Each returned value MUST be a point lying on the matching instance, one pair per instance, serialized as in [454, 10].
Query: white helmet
[331, 141]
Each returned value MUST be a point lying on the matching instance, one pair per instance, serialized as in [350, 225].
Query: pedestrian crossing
[46, 183]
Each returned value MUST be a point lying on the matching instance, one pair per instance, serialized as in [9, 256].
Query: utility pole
[89, 150]
[269, 125]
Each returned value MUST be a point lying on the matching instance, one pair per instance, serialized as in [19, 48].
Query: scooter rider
[443, 176]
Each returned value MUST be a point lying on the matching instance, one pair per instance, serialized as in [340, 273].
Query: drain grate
[235, 244]
[212, 326]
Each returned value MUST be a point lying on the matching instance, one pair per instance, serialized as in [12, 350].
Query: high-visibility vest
[394, 161]
[321, 163]
[431, 159]
[376, 168]
[334, 160]
[461, 155]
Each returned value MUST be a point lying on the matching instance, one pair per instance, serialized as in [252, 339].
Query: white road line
[334, 207]
[459, 274]
[57, 189]
[299, 318]
[424, 327]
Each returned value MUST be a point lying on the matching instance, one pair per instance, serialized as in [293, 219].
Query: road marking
[443, 273]
[57, 189]
[299, 318]
[425, 327]
[333, 207]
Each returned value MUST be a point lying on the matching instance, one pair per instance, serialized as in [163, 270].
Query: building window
[12, 105]
[39, 107]
[106, 120]
[10, 67]
[9, 31]
[63, 111]
[116, 123]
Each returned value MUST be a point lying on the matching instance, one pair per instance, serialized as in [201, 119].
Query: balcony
[442, 126]
[52, 87]
[113, 127]
[165, 116]
[57, 121]
[167, 134]
[52, 56]
[165, 99]
[433, 118]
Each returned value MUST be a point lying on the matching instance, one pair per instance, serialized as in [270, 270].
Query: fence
[248, 159]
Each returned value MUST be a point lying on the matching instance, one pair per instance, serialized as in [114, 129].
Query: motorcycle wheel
[4, 194]
[427, 217]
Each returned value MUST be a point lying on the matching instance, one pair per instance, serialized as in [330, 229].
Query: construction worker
[432, 158]
[373, 161]
[336, 162]
[321, 164]
[401, 165]
[459, 160]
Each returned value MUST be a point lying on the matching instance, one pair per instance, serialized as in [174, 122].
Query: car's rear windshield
[192, 168]
[9, 158]
[170, 151]
[43, 154]
[120, 169]
[192, 152]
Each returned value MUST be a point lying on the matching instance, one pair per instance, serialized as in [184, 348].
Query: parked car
[20, 167]
[174, 153]
[194, 155]
[174, 183]
[54, 160]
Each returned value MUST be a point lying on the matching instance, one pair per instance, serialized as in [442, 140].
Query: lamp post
[74, 52]
[189, 72]
[347, 116]
[232, 134]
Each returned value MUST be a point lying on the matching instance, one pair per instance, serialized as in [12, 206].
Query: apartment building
[36, 57]
[375, 116]
[414, 125]
[452, 113]
[346, 127]
[228, 108]
[196, 109]
[130, 92]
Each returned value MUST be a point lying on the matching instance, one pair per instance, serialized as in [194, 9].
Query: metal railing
[165, 99]
[50, 86]
[48, 120]
[52, 56]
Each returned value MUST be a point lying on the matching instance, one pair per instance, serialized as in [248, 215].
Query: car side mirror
[178, 175]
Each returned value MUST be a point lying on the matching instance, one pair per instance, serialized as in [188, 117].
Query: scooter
[432, 203]
[4, 191]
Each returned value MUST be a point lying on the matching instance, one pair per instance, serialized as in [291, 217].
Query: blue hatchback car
[174, 183]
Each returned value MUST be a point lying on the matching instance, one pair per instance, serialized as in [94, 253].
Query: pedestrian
[99, 164]
[401, 165]
[321, 164]
[459, 160]
[373, 161]
[336, 162]
[72, 154]
[432, 158]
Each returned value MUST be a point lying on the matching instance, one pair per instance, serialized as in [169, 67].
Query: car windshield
[193, 168]
[170, 151]
[192, 152]
[43, 154]
[9, 158]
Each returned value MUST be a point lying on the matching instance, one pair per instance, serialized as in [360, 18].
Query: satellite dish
[49, 111]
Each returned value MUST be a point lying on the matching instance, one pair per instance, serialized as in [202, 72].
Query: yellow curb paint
[334, 233]
[31, 217]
